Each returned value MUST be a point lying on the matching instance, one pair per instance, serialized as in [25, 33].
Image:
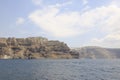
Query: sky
[75, 22]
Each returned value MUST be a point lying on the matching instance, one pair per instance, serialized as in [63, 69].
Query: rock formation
[32, 48]
[39, 47]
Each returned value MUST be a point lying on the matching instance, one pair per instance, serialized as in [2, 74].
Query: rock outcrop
[32, 48]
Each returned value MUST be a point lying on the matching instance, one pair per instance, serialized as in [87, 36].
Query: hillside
[94, 52]
[32, 48]
[114, 51]
[40, 47]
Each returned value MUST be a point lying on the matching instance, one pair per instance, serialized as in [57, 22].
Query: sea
[60, 69]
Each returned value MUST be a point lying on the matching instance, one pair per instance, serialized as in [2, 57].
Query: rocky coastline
[33, 48]
[42, 48]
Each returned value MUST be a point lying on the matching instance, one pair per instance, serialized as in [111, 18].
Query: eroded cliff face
[32, 48]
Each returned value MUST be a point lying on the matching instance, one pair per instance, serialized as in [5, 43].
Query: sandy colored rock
[32, 48]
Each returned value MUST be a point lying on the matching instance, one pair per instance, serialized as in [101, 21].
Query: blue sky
[75, 22]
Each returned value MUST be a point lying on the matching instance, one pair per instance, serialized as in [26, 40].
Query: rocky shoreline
[33, 48]
[42, 48]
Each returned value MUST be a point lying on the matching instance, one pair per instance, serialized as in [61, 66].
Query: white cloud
[60, 25]
[20, 21]
[85, 2]
[111, 40]
[37, 2]
[115, 2]
[63, 4]
[111, 23]
[63, 24]
[108, 21]
[66, 24]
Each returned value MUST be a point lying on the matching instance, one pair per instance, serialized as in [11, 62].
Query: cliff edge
[32, 48]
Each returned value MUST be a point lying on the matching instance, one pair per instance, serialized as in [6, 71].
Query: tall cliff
[32, 47]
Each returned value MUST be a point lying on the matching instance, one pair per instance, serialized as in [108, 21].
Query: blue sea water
[71, 69]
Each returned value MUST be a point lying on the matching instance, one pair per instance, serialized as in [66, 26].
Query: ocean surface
[47, 69]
